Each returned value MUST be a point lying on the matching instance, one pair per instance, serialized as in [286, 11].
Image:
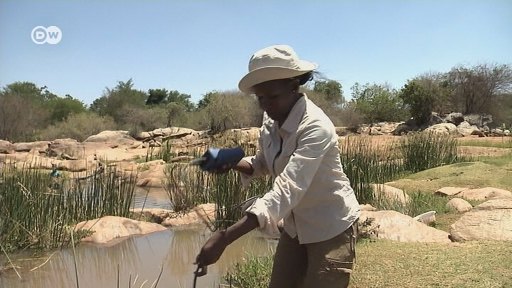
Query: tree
[231, 109]
[377, 103]
[22, 110]
[156, 96]
[419, 101]
[332, 90]
[114, 100]
[474, 90]
[61, 108]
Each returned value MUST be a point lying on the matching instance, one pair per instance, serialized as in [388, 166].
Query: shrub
[78, 127]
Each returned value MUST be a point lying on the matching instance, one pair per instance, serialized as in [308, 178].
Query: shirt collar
[291, 124]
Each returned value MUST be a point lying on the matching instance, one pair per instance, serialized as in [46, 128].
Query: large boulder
[37, 146]
[202, 214]
[465, 129]
[481, 194]
[395, 226]
[109, 228]
[151, 174]
[67, 146]
[118, 137]
[458, 205]
[478, 119]
[455, 118]
[384, 191]
[491, 220]
[444, 129]
[449, 191]
[6, 147]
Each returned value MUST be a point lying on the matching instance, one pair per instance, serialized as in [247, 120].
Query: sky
[200, 46]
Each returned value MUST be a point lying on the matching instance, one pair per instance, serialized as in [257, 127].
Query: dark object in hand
[216, 159]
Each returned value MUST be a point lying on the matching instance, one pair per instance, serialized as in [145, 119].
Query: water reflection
[151, 198]
[139, 259]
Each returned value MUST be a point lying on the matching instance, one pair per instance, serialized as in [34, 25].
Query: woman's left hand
[213, 249]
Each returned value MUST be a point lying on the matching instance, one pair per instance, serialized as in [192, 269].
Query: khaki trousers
[324, 264]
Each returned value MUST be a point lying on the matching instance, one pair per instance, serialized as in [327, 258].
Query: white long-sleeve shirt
[310, 190]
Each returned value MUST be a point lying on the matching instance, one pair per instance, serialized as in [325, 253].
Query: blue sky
[199, 46]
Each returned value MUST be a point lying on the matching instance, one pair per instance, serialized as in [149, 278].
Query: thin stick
[35, 268]
[9, 259]
[74, 258]
[158, 279]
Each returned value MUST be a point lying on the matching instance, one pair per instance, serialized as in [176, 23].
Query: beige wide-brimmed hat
[271, 63]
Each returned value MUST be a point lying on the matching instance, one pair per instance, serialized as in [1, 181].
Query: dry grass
[392, 264]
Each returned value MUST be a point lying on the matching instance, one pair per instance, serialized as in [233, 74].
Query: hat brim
[269, 73]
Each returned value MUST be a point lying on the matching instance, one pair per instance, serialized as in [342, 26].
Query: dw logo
[51, 35]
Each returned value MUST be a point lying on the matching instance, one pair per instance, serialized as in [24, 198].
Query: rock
[118, 137]
[402, 129]
[435, 119]
[375, 131]
[142, 136]
[38, 146]
[478, 133]
[491, 220]
[458, 205]
[6, 147]
[454, 118]
[426, 218]
[152, 174]
[201, 214]
[484, 193]
[390, 193]
[449, 191]
[444, 128]
[65, 146]
[342, 131]
[395, 226]
[466, 129]
[478, 119]
[367, 207]
[156, 215]
[506, 132]
[109, 228]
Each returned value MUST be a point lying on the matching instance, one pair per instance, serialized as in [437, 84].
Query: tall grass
[36, 210]
[163, 152]
[188, 186]
[366, 163]
[422, 151]
[363, 161]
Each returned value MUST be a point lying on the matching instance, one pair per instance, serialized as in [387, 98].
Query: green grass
[384, 263]
[490, 173]
[473, 264]
[254, 272]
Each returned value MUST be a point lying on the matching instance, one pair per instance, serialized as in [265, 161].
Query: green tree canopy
[114, 100]
[331, 89]
[377, 103]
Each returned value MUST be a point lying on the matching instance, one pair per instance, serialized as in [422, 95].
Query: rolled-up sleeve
[292, 183]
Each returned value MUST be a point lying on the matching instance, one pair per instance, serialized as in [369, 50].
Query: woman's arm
[215, 246]
[244, 167]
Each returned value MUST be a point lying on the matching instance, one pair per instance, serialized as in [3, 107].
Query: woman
[298, 146]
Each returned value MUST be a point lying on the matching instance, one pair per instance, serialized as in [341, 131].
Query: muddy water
[137, 259]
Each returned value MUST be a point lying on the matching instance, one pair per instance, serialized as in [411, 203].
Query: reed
[365, 163]
[425, 150]
[37, 209]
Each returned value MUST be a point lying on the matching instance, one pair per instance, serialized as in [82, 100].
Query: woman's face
[277, 97]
